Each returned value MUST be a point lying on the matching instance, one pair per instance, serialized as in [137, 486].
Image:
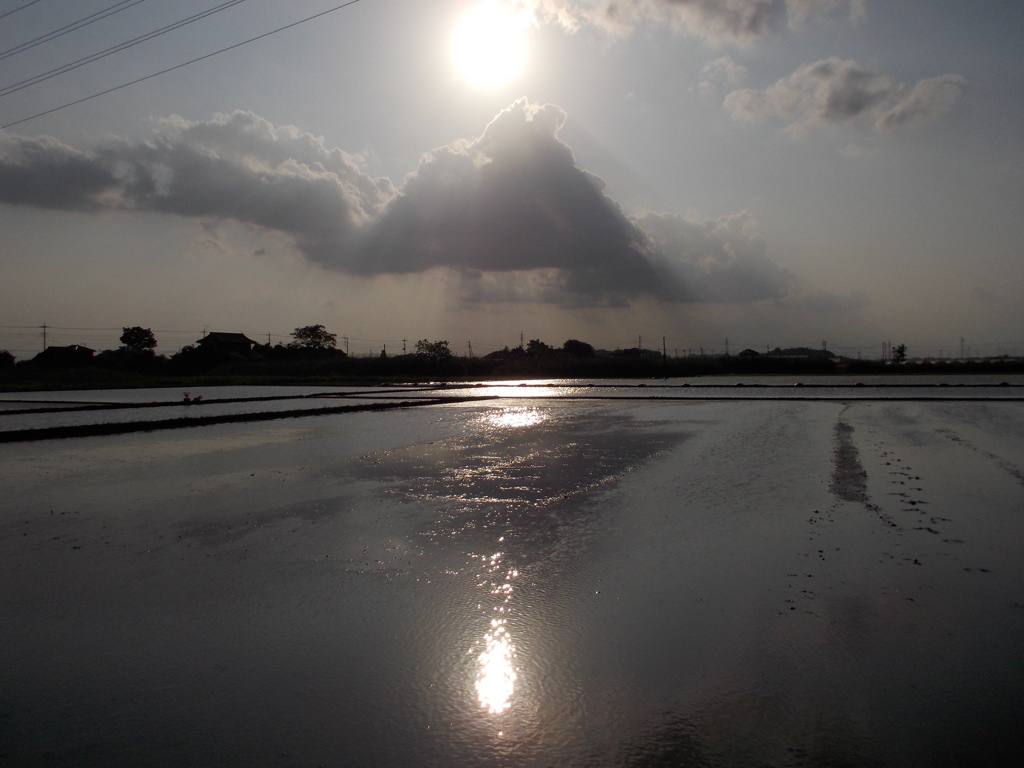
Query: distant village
[313, 354]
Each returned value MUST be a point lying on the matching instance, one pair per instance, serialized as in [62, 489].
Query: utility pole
[664, 352]
[44, 337]
[520, 339]
[403, 346]
[469, 348]
[639, 342]
[346, 344]
[961, 346]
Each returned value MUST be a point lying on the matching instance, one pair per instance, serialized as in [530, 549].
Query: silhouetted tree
[436, 351]
[899, 353]
[137, 339]
[6, 359]
[577, 348]
[193, 359]
[536, 347]
[313, 337]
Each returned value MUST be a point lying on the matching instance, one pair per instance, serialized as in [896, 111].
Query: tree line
[312, 354]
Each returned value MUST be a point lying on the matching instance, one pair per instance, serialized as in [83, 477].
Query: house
[231, 344]
[64, 357]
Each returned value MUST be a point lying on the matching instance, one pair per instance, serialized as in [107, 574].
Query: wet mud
[516, 582]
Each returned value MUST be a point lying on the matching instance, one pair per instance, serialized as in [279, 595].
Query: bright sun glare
[489, 44]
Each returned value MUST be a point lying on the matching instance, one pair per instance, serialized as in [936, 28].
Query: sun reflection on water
[515, 418]
[496, 676]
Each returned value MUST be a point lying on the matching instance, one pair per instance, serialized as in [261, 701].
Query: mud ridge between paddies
[94, 430]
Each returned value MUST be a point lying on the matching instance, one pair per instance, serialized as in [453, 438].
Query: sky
[709, 175]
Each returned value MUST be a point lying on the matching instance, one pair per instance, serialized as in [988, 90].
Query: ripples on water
[495, 683]
[522, 582]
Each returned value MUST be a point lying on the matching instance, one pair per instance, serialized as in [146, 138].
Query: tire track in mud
[946, 548]
[909, 513]
[908, 491]
[1011, 469]
[848, 482]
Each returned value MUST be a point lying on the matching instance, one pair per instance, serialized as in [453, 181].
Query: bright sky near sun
[489, 43]
[771, 172]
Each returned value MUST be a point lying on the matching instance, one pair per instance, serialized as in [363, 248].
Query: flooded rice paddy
[560, 574]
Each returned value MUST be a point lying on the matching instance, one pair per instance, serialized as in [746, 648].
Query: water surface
[522, 581]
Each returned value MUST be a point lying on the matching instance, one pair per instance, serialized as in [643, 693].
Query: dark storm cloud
[510, 213]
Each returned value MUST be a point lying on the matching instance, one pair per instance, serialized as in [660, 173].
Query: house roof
[219, 337]
[69, 349]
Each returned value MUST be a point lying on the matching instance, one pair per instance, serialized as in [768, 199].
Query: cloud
[722, 72]
[855, 151]
[824, 302]
[510, 214]
[802, 13]
[235, 166]
[520, 221]
[240, 167]
[510, 201]
[835, 91]
[44, 173]
[928, 99]
[832, 90]
[716, 260]
[717, 21]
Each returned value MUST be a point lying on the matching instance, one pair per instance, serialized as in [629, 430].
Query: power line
[110, 10]
[57, 71]
[22, 8]
[180, 66]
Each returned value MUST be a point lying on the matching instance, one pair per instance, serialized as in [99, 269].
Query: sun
[489, 44]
